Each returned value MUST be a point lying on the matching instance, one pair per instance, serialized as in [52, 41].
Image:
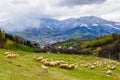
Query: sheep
[52, 63]
[44, 68]
[113, 67]
[109, 72]
[44, 60]
[72, 66]
[11, 55]
[39, 58]
[92, 67]
[65, 66]
[6, 53]
[57, 62]
[46, 63]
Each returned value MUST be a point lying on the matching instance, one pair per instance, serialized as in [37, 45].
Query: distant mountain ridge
[83, 27]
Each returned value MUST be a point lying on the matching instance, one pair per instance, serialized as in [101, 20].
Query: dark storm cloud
[80, 2]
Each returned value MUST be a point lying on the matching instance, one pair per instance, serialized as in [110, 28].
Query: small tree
[2, 34]
[2, 38]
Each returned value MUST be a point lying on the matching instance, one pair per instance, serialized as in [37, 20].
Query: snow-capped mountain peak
[88, 27]
[95, 25]
[112, 26]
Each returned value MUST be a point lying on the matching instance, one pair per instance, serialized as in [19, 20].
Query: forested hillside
[8, 41]
[105, 46]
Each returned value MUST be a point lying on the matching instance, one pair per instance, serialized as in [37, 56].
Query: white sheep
[6, 53]
[72, 66]
[44, 68]
[57, 62]
[39, 58]
[92, 67]
[65, 66]
[113, 67]
[43, 60]
[11, 55]
[46, 63]
[109, 72]
[52, 63]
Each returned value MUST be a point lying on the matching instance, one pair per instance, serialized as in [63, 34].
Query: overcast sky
[24, 11]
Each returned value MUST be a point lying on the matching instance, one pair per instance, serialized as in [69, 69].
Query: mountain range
[52, 30]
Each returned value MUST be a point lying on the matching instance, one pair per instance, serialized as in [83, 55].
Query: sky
[25, 12]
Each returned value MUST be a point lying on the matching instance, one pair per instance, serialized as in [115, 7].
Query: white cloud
[111, 10]
[19, 12]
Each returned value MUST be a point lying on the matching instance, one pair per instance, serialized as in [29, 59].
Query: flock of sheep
[46, 62]
[107, 65]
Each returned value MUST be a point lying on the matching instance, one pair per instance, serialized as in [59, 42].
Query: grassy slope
[73, 42]
[14, 46]
[31, 70]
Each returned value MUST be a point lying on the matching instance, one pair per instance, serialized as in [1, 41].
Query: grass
[73, 42]
[14, 46]
[25, 68]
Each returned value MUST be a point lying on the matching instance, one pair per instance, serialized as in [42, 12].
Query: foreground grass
[25, 68]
